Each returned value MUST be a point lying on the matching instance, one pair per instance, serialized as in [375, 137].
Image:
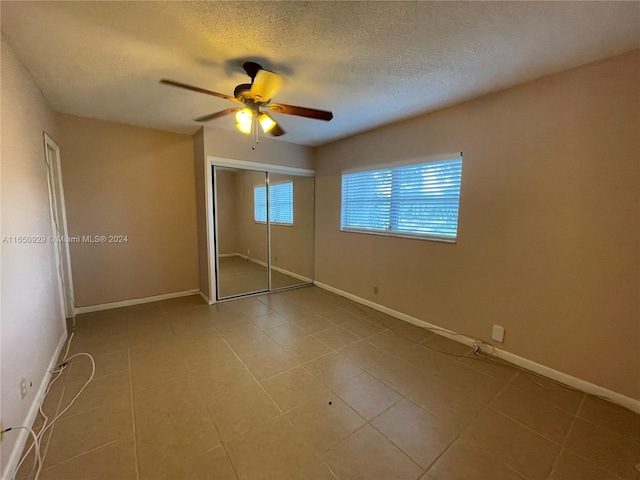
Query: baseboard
[205, 298]
[561, 377]
[24, 435]
[277, 269]
[134, 301]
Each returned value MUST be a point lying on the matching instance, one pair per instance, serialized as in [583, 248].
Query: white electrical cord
[38, 458]
[37, 439]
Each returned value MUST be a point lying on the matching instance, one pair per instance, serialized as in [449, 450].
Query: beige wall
[32, 314]
[126, 180]
[548, 240]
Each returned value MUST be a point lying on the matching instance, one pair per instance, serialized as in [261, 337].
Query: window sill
[430, 238]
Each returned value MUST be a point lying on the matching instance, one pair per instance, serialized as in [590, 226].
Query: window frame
[392, 233]
[264, 222]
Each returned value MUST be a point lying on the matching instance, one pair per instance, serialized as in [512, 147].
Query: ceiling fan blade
[300, 111]
[198, 89]
[277, 130]
[265, 85]
[212, 116]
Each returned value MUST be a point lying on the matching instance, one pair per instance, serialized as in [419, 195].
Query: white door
[59, 221]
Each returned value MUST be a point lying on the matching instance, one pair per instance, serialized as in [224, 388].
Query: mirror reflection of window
[280, 203]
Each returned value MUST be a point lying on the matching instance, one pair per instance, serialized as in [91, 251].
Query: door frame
[209, 199]
[59, 225]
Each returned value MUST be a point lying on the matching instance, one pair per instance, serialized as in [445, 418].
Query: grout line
[84, 453]
[213, 422]
[133, 417]
[566, 437]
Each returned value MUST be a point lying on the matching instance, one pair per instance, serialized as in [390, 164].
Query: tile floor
[306, 385]
[239, 276]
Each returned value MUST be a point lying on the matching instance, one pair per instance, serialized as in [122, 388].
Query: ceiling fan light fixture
[244, 119]
[266, 122]
[244, 128]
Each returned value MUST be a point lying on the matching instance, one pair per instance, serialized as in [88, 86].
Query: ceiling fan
[254, 98]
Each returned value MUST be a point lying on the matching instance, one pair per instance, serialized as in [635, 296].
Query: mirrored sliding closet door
[264, 231]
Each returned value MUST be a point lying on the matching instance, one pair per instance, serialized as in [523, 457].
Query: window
[280, 203]
[418, 200]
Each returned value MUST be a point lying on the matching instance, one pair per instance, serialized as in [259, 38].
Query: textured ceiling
[371, 63]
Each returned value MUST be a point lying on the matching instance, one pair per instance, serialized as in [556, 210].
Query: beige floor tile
[396, 373]
[612, 417]
[493, 367]
[332, 369]
[276, 451]
[193, 328]
[88, 430]
[314, 323]
[392, 343]
[476, 384]
[367, 395]
[306, 348]
[269, 363]
[152, 366]
[152, 331]
[336, 337]
[189, 386]
[293, 387]
[382, 318]
[173, 429]
[447, 402]
[466, 461]
[428, 360]
[203, 361]
[241, 407]
[321, 305]
[571, 467]
[442, 344]
[106, 364]
[363, 328]
[366, 454]
[549, 391]
[604, 448]
[513, 444]
[98, 343]
[100, 391]
[324, 420]
[249, 307]
[340, 316]
[271, 320]
[221, 377]
[237, 328]
[417, 433]
[293, 312]
[286, 332]
[542, 417]
[411, 332]
[115, 461]
[169, 464]
[251, 344]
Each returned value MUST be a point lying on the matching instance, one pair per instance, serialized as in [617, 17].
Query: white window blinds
[414, 200]
[280, 203]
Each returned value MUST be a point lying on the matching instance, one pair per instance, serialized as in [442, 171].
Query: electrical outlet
[23, 387]
[498, 333]
[375, 290]
[248, 252]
